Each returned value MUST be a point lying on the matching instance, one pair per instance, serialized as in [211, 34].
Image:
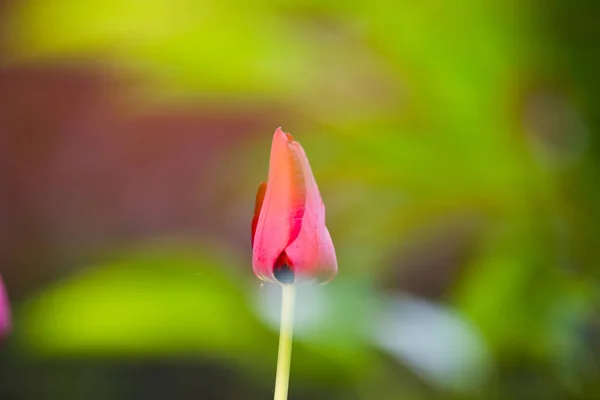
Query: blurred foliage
[135, 304]
[422, 120]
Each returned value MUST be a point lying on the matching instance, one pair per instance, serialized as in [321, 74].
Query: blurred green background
[455, 145]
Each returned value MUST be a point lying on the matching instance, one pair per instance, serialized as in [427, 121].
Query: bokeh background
[455, 144]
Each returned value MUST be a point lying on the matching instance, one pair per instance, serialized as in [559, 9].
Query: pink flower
[290, 241]
[5, 318]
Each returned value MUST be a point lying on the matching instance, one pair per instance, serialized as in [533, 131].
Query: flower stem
[285, 342]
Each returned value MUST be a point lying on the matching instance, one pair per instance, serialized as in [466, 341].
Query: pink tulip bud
[290, 241]
[5, 318]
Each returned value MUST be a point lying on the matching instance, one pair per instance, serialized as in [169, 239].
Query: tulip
[290, 242]
[5, 318]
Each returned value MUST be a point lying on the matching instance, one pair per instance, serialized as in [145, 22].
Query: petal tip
[288, 137]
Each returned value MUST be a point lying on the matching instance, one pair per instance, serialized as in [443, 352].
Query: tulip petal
[280, 219]
[260, 197]
[5, 315]
[312, 252]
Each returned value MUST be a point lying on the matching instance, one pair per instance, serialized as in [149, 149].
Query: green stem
[286, 330]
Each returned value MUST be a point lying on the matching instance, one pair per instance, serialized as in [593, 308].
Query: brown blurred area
[82, 170]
